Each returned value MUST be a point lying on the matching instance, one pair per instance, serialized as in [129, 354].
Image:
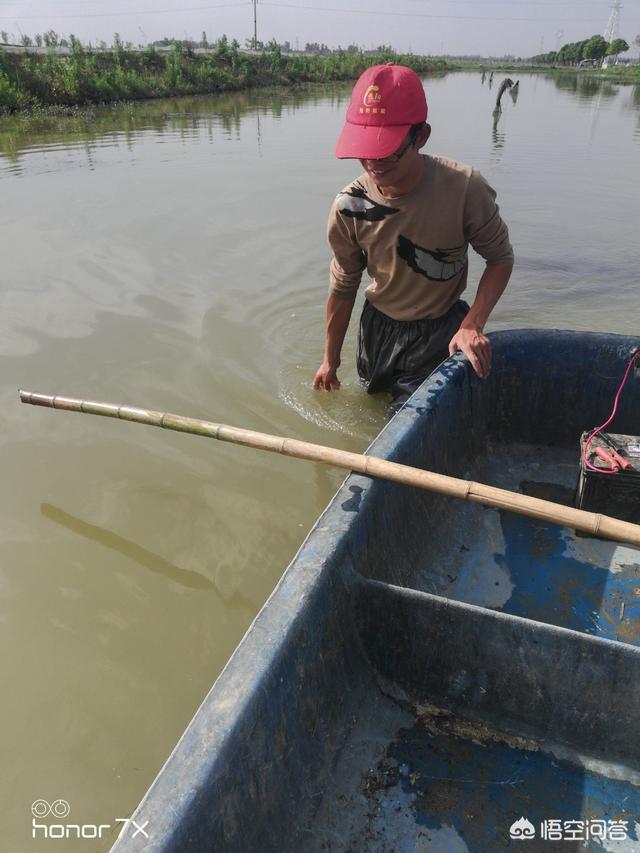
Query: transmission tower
[611, 32]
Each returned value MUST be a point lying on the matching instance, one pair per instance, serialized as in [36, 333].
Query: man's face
[401, 165]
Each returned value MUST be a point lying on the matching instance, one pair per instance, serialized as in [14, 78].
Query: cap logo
[371, 100]
[372, 96]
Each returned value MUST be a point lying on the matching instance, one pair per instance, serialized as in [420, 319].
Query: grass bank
[31, 80]
[616, 73]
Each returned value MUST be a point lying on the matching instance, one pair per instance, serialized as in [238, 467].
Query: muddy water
[172, 255]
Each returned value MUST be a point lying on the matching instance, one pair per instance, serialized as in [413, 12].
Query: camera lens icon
[58, 808]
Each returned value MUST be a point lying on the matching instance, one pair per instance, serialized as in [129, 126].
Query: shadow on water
[142, 556]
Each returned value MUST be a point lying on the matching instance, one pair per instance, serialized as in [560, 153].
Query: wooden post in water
[588, 522]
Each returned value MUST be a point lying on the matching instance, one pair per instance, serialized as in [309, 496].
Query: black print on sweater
[356, 203]
[436, 264]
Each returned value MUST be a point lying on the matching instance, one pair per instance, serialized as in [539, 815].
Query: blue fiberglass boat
[431, 674]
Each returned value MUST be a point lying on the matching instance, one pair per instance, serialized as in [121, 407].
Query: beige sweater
[415, 247]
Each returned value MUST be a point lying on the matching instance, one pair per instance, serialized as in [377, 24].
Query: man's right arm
[345, 272]
[339, 311]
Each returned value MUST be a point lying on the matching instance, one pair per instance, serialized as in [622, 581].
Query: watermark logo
[522, 829]
[60, 809]
[570, 830]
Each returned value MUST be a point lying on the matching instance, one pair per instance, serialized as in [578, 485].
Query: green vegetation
[29, 79]
[618, 73]
[594, 48]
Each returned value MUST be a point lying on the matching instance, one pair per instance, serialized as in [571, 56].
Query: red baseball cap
[385, 102]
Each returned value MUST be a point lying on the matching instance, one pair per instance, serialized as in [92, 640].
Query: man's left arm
[488, 234]
[470, 338]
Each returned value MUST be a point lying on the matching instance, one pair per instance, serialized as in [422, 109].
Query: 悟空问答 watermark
[555, 829]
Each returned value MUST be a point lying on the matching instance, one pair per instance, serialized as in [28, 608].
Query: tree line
[594, 48]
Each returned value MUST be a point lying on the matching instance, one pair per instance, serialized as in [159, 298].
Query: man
[408, 220]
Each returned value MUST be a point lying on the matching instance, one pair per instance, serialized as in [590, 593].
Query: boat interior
[432, 674]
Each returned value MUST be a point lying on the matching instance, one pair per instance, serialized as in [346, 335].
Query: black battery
[617, 495]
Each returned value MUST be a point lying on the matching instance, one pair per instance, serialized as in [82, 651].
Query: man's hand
[326, 377]
[476, 346]
[338, 316]
[469, 338]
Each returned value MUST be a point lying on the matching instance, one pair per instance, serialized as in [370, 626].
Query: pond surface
[172, 255]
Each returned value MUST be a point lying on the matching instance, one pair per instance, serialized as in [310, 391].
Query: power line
[525, 2]
[65, 3]
[529, 3]
[438, 17]
[121, 14]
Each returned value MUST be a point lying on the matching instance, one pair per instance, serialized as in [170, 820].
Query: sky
[455, 27]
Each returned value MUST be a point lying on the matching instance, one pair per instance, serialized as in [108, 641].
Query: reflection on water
[633, 102]
[507, 85]
[89, 129]
[595, 105]
[85, 131]
[497, 136]
[585, 87]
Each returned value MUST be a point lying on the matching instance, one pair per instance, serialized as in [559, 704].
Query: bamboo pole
[588, 522]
